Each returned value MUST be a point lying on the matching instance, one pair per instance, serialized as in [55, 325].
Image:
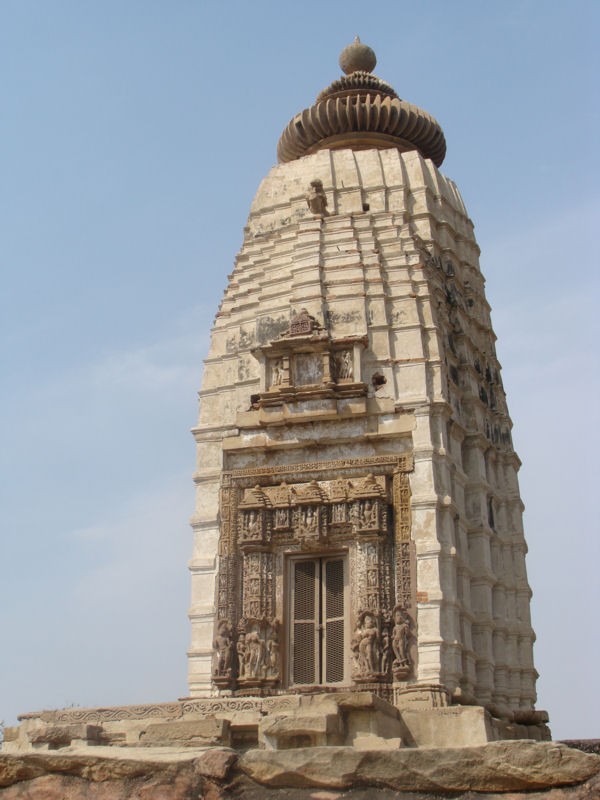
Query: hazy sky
[134, 134]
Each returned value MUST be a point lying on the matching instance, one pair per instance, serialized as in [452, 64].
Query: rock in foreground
[303, 774]
[496, 767]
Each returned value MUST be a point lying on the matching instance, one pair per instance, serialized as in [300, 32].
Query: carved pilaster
[257, 585]
[368, 562]
[402, 540]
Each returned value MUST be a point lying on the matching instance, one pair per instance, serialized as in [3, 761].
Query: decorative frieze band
[165, 711]
[402, 463]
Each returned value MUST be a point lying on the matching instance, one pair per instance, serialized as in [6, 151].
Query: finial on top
[359, 111]
[357, 57]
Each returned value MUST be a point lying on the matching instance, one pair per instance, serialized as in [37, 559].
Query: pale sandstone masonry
[394, 267]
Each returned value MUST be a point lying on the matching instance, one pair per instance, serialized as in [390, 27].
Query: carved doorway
[318, 631]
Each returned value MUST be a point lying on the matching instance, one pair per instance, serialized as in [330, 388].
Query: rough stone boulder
[151, 776]
[506, 771]
[496, 767]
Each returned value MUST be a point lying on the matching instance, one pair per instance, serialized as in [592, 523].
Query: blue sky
[134, 135]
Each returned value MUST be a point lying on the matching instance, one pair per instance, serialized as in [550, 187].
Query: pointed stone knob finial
[357, 57]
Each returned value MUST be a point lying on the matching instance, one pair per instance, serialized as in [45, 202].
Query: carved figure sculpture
[316, 198]
[277, 373]
[354, 646]
[338, 513]
[344, 366]
[309, 520]
[400, 638]
[281, 518]
[366, 647]
[241, 654]
[222, 648]
[252, 524]
[369, 647]
[368, 514]
[386, 651]
[273, 650]
[255, 649]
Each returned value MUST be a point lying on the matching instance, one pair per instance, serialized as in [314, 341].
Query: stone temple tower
[358, 520]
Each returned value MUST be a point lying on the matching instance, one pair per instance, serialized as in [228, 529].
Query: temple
[358, 572]
[358, 523]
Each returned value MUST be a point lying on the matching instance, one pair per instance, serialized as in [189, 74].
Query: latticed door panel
[317, 630]
[332, 592]
[305, 622]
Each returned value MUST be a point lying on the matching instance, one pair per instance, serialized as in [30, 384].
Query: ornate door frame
[270, 514]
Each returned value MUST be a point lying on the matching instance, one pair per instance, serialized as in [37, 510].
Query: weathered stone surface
[11, 733]
[93, 768]
[62, 735]
[213, 775]
[216, 763]
[590, 790]
[371, 742]
[587, 745]
[186, 734]
[457, 725]
[305, 724]
[322, 729]
[71, 776]
[181, 786]
[499, 766]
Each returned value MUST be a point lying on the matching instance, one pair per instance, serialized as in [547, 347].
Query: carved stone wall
[360, 333]
[357, 506]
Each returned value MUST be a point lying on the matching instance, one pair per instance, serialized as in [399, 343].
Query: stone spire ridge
[360, 111]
